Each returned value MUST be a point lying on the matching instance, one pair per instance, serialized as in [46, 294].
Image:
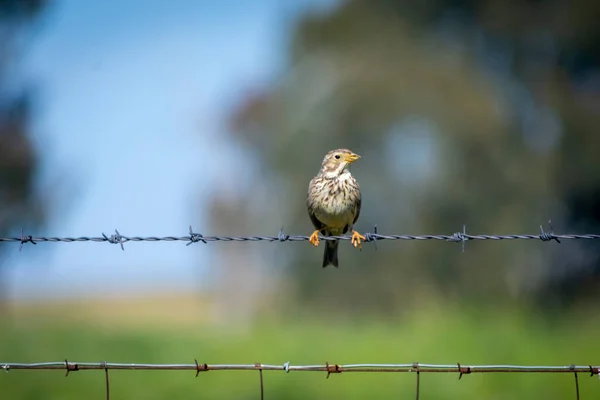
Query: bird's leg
[314, 238]
[356, 237]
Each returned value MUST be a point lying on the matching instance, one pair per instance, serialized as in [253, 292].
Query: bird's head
[336, 162]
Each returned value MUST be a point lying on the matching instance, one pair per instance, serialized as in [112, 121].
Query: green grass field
[177, 330]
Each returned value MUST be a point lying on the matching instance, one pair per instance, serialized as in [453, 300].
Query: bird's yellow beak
[350, 158]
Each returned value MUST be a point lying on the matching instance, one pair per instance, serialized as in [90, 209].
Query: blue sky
[131, 108]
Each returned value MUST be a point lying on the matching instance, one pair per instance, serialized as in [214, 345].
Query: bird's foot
[314, 238]
[356, 238]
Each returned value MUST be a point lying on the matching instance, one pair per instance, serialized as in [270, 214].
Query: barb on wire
[282, 237]
[25, 239]
[114, 239]
[463, 370]
[332, 369]
[74, 367]
[370, 237]
[195, 237]
[547, 236]
[200, 367]
[460, 237]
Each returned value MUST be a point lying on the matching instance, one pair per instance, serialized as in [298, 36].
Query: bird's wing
[316, 223]
[358, 204]
[311, 207]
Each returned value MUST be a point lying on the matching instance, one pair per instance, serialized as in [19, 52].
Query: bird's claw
[356, 238]
[314, 238]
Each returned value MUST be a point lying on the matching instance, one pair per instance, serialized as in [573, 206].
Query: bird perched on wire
[333, 202]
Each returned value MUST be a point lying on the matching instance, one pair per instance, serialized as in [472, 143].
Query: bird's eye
[337, 156]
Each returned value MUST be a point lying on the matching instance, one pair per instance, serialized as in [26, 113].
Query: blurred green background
[150, 331]
[481, 113]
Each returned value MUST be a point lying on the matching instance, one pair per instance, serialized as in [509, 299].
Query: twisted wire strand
[192, 237]
[287, 367]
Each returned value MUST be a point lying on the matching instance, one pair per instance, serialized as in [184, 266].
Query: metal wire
[192, 237]
[286, 367]
[70, 366]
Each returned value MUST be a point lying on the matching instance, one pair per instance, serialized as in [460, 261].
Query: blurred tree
[480, 113]
[19, 202]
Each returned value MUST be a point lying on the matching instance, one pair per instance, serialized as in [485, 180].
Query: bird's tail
[330, 257]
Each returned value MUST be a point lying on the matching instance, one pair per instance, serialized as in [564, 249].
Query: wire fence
[370, 237]
[417, 368]
[328, 368]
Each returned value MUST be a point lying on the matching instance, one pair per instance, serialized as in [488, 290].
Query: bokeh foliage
[476, 113]
[18, 157]
[21, 204]
[436, 333]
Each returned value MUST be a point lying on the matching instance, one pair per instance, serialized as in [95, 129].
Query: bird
[333, 202]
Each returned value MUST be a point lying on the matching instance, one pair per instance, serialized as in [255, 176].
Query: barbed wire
[192, 237]
[414, 367]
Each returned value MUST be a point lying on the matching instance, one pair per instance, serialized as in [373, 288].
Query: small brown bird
[333, 202]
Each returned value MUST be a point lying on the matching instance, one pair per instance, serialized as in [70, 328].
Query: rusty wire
[415, 367]
[461, 369]
[193, 237]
